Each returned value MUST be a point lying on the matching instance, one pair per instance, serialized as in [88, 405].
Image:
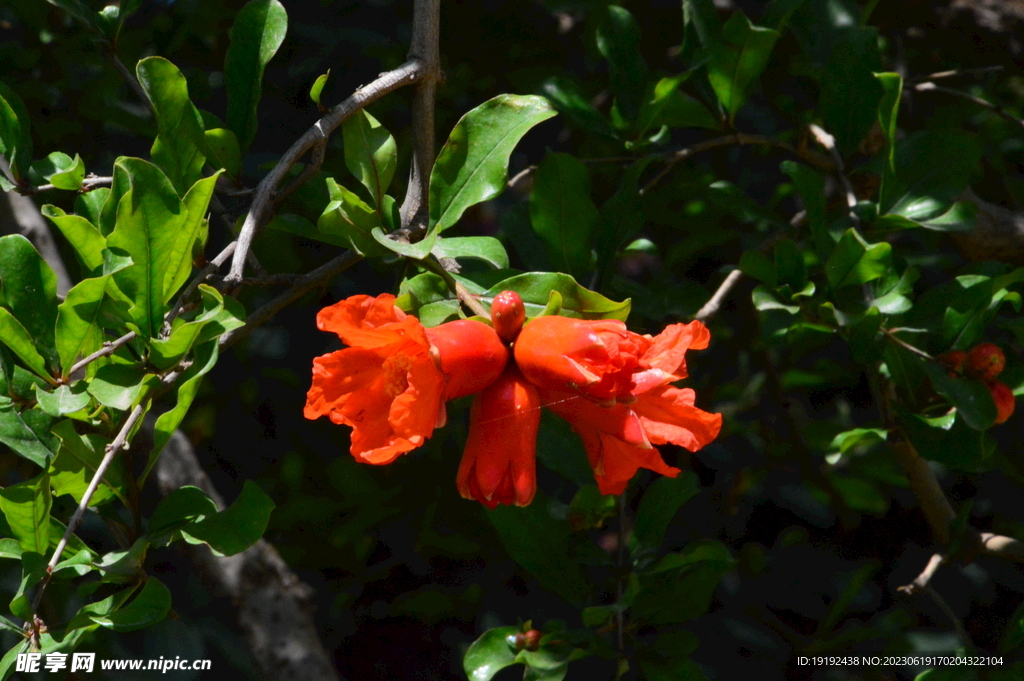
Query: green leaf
[535, 288]
[204, 360]
[83, 235]
[489, 654]
[621, 218]
[179, 148]
[300, 226]
[473, 165]
[485, 248]
[668, 106]
[26, 505]
[17, 435]
[151, 220]
[660, 502]
[222, 145]
[759, 266]
[680, 586]
[179, 254]
[850, 93]
[29, 291]
[765, 299]
[419, 250]
[62, 171]
[854, 261]
[178, 509]
[926, 183]
[700, 28]
[318, 87]
[789, 263]
[78, 331]
[15, 132]
[18, 339]
[618, 40]
[737, 59]
[589, 508]
[63, 400]
[168, 352]
[370, 153]
[540, 544]
[811, 187]
[950, 441]
[236, 528]
[348, 220]
[33, 567]
[959, 218]
[563, 213]
[888, 111]
[117, 385]
[256, 35]
[566, 96]
[971, 398]
[150, 606]
[76, 463]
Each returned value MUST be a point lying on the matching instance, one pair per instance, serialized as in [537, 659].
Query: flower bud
[985, 361]
[1004, 399]
[953, 360]
[531, 639]
[469, 354]
[508, 315]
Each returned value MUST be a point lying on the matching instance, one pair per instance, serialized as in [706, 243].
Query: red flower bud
[1004, 399]
[531, 639]
[592, 358]
[508, 314]
[498, 465]
[985, 361]
[469, 354]
[953, 360]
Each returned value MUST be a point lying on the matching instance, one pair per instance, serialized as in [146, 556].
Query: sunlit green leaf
[236, 528]
[854, 261]
[737, 59]
[473, 165]
[224, 151]
[257, 33]
[26, 505]
[150, 606]
[179, 148]
[370, 153]
[485, 248]
[489, 654]
[30, 292]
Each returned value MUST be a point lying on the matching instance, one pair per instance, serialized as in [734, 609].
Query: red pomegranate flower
[390, 384]
[498, 465]
[618, 437]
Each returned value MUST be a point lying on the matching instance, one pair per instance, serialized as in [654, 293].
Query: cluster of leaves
[856, 282]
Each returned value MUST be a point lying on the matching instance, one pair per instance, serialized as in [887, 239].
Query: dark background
[406, 573]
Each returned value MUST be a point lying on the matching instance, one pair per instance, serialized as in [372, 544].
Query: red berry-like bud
[508, 314]
[985, 361]
[953, 360]
[532, 639]
[1004, 399]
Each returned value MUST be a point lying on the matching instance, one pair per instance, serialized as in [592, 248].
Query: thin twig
[959, 72]
[829, 142]
[715, 302]
[283, 279]
[321, 276]
[958, 626]
[120, 442]
[88, 184]
[210, 268]
[425, 50]
[891, 333]
[408, 73]
[109, 348]
[921, 581]
[470, 301]
[738, 138]
[932, 87]
[130, 78]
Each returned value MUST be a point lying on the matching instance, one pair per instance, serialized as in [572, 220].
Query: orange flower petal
[471, 356]
[594, 358]
[668, 415]
[365, 320]
[498, 465]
